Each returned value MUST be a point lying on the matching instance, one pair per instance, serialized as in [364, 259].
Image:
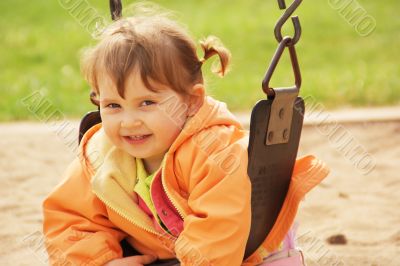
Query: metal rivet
[281, 113]
[270, 136]
[285, 134]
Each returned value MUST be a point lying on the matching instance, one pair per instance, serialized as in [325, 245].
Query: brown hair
[155, 45]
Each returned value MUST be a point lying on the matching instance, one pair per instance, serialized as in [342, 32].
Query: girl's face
[144, 124]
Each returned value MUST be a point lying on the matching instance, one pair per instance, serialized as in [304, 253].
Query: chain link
[284, 42]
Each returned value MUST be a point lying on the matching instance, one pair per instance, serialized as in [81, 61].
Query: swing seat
[270, 167]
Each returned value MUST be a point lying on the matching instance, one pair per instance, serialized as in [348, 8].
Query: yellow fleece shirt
[142, 187]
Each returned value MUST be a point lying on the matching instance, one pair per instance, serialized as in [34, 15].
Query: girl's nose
[130, 123]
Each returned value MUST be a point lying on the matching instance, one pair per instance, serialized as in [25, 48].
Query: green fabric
[142, 187]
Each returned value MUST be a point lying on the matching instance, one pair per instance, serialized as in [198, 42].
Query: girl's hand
[139, 260]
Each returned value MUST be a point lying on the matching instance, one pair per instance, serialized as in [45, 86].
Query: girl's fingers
[140, 259]
[146, 259]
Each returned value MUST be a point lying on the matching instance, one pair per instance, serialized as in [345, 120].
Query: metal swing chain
[284, 42]
[116, 13]
[115, 9]
[283, 99]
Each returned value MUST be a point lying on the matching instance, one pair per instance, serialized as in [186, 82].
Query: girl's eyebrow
[151, 96]
[107, 100]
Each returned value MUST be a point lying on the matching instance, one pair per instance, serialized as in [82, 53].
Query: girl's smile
[137, 139]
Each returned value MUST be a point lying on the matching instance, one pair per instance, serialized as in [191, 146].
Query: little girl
[166, 170]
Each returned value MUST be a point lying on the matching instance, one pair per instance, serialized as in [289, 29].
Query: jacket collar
[212, 112]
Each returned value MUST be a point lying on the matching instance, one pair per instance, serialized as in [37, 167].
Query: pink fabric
[165, 210]
[289, 242]
[290, 239]
[288, 245]
[146, 209]
[290, 261]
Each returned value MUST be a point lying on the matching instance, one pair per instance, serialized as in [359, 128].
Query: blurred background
[348, 52]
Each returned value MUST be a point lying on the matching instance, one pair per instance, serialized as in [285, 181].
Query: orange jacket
[204, 174]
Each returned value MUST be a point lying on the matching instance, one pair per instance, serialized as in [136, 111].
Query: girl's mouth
[136, 139]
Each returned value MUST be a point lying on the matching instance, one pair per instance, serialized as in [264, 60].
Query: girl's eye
[113, 105]
[147, 102]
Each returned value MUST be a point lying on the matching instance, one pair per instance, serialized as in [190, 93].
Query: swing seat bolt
[281, 113]
[285, 134]
[270, 135]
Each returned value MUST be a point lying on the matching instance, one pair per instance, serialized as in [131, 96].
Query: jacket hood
[211, 113]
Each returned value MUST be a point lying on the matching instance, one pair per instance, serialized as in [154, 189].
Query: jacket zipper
[122, 214]
[180, 211]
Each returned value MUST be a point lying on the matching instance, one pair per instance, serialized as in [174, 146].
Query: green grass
[41, 42]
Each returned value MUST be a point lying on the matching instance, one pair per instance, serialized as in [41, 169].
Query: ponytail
[212, 46]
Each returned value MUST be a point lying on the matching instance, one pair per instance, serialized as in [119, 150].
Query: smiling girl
[166, 170]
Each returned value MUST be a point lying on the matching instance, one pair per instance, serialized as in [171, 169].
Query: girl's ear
[195, 99]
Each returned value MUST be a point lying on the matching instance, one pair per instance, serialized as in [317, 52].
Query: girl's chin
[138, 154]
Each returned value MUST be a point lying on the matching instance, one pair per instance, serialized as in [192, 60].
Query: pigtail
[213, 46]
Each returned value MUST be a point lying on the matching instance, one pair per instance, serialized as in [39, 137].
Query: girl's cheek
[176, 117]
[110, 126]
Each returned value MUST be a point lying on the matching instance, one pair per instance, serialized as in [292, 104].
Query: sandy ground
[358, 203]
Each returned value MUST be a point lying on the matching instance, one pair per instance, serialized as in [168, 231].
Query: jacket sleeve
[216, 231]
[76, 226]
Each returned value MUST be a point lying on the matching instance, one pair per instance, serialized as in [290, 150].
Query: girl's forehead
[134, 87]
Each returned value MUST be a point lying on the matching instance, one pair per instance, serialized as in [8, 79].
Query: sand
[358, 202]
